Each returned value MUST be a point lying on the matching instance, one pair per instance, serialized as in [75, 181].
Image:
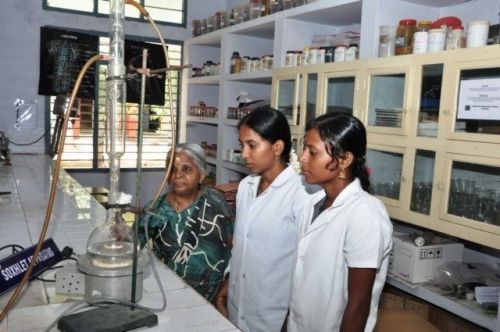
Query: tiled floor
[74, 216]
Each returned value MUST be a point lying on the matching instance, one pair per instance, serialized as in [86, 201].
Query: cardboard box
[391, 301]
[448, 322]
[420, 307]
[461, 325]
[419, 264]
[402, 320]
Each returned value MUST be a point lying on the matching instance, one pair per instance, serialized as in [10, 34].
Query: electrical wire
[52, 194]
[45, 280]
[172, 119]
[56, 169]
[13, 246]
[35, 141]
[70, 309]
[99, 301]
[168, 170]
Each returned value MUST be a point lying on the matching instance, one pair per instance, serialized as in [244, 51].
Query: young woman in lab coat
[269, 203]
[344, 236]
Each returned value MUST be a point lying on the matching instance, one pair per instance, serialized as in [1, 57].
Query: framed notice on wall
[62, 55]
[479, 99]
[155, 84]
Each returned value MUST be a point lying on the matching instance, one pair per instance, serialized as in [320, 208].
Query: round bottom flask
[107, 265]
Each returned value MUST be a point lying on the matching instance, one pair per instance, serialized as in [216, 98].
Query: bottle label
[400, 41]
[385, 39]
[420, 40]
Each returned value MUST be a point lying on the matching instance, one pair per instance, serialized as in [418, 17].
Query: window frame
[95, 13]
[95, 129]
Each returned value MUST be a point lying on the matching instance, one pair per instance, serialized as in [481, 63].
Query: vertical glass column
[115, 99]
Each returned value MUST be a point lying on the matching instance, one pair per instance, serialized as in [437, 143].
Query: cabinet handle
[440, 186]
[403, 179]
[447, 112]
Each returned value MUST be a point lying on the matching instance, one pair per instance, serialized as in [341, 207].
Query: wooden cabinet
[431, 163]
[433, 139]
[428, 160]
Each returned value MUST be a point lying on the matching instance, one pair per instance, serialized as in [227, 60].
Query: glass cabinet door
[430, 96]
[474, 192]
[387, 100]
[385, 172]
[311, 96]
[477, 111]
[423, 175]
[285, 96]
[340, 93]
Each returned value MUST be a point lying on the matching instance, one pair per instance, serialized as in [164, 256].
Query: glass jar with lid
[196, 27]
[404, 36]
[386, 40]
[421, 36]
[455, 38]
[289, 59]
[339, 54]
[352, 52]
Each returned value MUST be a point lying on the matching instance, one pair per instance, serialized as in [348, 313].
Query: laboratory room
[250, 165]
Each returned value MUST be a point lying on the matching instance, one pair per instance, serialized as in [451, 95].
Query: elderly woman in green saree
[191, 227]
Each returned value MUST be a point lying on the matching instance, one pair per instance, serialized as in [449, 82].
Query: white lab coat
[355, 231]
[264, 245]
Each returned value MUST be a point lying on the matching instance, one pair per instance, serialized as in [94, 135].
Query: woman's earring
[276, 157]
[342, 175]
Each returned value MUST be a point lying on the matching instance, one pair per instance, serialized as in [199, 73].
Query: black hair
[341, 133]
[271, 125]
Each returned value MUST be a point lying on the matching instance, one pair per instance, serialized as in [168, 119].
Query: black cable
[13, 246]
[45, 280]
[54, 268]
[26, 144]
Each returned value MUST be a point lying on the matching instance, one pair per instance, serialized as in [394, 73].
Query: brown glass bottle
[235, 63]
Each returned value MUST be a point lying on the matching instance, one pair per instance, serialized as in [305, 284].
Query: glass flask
[111, 245]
